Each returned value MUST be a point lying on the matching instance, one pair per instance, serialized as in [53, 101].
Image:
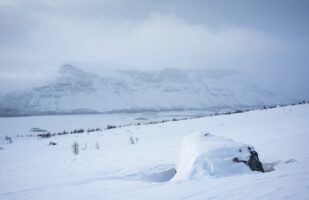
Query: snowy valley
[154, 100]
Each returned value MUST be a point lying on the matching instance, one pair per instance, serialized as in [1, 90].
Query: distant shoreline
[212, 111]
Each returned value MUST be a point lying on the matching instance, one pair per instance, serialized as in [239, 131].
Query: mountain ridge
[74, 90]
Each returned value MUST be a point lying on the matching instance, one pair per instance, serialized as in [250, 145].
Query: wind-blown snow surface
[73, 90]
[30, 169]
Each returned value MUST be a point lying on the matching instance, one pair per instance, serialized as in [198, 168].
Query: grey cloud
[261, 38]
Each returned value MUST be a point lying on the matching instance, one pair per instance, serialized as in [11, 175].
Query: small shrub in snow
[133, 140]
[8, 139]
[238, 111]
[89, 130]
[44, 135]
[65, 133]
[75, 148]
[62, 133]
[110, 126]
[52, 143]
[77, 131]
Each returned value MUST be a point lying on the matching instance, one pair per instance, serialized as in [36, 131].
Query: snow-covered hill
[73, 90]
[109, 166]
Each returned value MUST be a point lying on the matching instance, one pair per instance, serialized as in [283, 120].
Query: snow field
[31, 169]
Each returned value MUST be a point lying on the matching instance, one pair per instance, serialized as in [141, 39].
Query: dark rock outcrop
[254, 162]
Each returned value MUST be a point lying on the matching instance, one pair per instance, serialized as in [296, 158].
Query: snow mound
[206, 154]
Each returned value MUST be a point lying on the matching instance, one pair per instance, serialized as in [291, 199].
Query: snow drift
[206, 154]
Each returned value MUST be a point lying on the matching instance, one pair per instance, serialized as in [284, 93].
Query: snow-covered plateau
[169, 160]
[75, 91]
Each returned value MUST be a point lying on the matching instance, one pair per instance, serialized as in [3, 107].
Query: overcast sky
[267, 39]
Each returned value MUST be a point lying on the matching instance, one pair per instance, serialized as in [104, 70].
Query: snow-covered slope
[74, 90]
[109, 166]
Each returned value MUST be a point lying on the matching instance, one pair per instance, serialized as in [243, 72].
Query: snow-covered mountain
[76, 91]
